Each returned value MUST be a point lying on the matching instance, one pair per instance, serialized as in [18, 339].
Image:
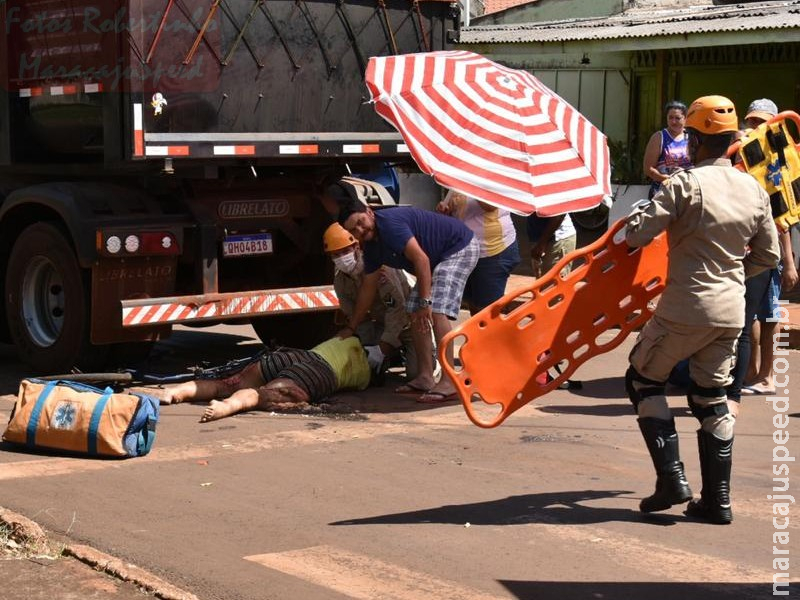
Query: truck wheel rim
[43, 309]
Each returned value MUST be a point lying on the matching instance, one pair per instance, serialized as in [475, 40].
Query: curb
[101, 561]
[23, 530]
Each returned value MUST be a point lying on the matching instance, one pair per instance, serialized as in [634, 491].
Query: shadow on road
[562, 508]
[581, 590]
[595, 410]
[602, 388]
[604, 410]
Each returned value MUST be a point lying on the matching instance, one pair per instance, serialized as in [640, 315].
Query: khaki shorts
[554, 252]
[662, 344]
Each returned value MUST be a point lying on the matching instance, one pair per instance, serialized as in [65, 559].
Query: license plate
[247, 245]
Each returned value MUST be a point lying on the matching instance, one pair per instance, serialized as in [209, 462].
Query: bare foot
[217, 409]
[163, 395]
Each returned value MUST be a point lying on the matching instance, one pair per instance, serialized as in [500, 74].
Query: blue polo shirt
[438, 235]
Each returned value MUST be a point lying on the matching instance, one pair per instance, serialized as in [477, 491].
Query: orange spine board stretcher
[507, 349]
[769, 154]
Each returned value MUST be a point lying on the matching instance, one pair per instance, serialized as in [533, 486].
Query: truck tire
[47, 302]
[302, 330]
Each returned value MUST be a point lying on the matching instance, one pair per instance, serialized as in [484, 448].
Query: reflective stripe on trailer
[361, 149]
[234, 150]
[138, 130]
[62, 90]
[298, 149]
[166, 151]
[156, 311]
[154, 145]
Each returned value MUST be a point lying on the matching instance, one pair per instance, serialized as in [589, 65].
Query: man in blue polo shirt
[440, 251]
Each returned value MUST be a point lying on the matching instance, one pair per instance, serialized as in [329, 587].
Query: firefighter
[712, 214]
[387, 329]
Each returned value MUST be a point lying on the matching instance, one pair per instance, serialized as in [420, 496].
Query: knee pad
[709, 404]
[640, 388]
[721, 426]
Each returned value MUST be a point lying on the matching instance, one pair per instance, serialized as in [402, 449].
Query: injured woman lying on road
[281, 380]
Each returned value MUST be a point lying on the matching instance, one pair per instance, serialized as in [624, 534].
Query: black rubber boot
[714, 504]
[671, 485]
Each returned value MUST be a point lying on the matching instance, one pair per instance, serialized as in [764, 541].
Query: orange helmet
[712, 115]
[337, 237]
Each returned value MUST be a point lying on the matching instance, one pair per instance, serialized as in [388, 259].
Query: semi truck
[161, 163]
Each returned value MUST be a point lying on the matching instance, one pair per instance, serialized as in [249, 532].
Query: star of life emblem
[64, 416]
[774, 173]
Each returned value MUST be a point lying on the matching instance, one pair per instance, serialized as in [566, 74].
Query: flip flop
[433, 397]
[409, 388]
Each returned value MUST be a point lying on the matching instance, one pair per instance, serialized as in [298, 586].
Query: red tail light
[128, 243]
[159, 242]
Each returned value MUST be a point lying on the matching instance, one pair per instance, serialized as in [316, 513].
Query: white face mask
[349, 263]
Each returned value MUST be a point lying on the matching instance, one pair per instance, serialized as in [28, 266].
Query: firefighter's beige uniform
[712, 214]
[388, 320]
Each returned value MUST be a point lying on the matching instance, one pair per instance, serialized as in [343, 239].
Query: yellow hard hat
[337, 237]
[712, 115]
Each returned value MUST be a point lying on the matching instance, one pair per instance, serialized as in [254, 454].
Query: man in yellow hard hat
[713, 214]
[387, 329]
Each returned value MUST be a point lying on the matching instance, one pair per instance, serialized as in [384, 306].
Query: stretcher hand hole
[580, 351]
[600, 342]
[577, 263]
[553, 302]
[515, 303]
[608, 266]
[632, 316]
[653, 283]
[525, 321]
[547, 286]
[484, 410]
[457, 344]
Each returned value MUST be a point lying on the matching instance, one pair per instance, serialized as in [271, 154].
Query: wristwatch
[425, 302]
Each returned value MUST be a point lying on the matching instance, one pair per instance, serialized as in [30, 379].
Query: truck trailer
[161, 163]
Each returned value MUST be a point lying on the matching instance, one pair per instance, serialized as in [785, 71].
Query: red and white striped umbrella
[493, 133]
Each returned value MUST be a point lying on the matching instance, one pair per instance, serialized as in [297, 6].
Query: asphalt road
[396, 500]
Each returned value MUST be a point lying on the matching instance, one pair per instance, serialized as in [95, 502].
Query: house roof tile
[640, 23]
